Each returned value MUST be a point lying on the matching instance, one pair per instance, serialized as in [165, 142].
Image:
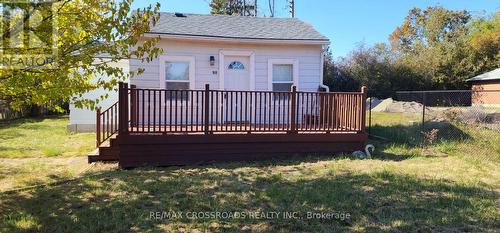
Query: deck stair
[108, 151]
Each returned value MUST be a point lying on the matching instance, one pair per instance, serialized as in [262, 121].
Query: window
[282, 74]
[177, 78]
[282, 79]
[236, 65]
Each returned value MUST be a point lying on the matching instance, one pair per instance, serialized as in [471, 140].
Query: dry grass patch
[22, 173]
[33, 137]
[404, 189]
[415, 194]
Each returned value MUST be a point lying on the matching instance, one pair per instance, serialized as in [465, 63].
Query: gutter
[482, 80]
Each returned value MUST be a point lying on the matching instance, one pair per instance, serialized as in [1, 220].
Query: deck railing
[153, 111]
[106, 123]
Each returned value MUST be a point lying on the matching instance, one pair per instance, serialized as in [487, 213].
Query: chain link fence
[447, 118]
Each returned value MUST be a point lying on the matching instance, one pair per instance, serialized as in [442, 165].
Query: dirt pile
[374, 102]
[474, 116]
[390, 105]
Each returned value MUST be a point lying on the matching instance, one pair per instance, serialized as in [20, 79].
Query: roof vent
[177, 14]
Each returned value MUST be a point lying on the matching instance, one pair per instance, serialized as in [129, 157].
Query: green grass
[405, 188]
[426, 194]
[399, 127]
[20, 173]
[468, 142]
[29, 138]
[36, 151]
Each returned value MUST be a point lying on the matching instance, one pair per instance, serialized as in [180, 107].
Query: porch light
[212, 60]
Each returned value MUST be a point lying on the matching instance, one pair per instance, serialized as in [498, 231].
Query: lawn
[30, 138]
[36, 151]
[469, 142]
[405, 188]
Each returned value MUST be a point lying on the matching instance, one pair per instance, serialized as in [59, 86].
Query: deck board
[227, 129]
[164, 150]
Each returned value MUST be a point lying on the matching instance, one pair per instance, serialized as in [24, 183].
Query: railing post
[320, 105]
[363, 108]
[125, 108]
[293, 113]
[206, 108]
[133, 105]
[98, 126]
[120, 107]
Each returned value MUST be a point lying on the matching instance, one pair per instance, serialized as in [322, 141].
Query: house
[226, 52]
[234, 53]
[228, 88]
[486, 88]
[82, 119]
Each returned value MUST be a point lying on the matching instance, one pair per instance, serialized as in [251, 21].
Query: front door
[236, 78]
[237, 75]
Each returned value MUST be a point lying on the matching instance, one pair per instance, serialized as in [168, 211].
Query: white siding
[308, 56]
[84, 119]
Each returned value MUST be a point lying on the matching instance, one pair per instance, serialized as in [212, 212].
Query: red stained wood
[162, 150]
[227, 125]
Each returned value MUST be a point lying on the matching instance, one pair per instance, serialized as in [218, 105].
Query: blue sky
[346, 22]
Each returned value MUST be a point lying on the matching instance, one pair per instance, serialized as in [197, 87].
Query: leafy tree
[244, 7]
[336, 77]
[434, 48]
[437, 44]
[377, 67]
[87, 29]
[232, 7]
[484, 40]
[429, 28]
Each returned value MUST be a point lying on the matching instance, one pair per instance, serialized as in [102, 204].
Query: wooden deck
[145, 128]
[199, 129]
[163, 150]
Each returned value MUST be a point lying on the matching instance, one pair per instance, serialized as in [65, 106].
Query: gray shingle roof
[492, 75]
[237, 27]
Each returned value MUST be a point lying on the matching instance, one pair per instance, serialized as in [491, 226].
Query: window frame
[162, 66]
[295, 72]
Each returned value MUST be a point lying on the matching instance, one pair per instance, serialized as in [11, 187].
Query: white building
[228, 53]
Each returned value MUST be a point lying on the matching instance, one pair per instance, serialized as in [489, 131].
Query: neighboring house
[228, 53]
[486, 88]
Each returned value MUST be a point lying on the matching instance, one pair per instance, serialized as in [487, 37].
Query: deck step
[97, 156]
[106, 152]
[102, 158]
[112, 142]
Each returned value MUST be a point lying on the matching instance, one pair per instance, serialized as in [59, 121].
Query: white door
[236, 73]
[236, 78]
